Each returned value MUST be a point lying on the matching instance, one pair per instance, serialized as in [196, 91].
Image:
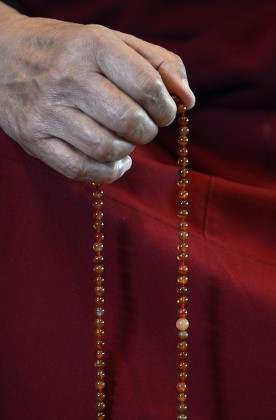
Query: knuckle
[136, 126]
[74, 169]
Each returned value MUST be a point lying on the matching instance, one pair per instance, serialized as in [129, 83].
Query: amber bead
[99, 269]
[182, 376]
[183, 335]
[183, 237]
[181, 290]
[183, 247]
[100, 354]
[97, 204]
[100, 344]
[99, 291]
[100, 385]
[182, 279]
[180, 108]
[97, 246]
[182, 256]
[183, 225]
[98, 224]
[182, 120]
[183, 140]
[183, 131]
[182, 182]
[183, 213]
[182, 300]
[181, 417]
[100, 406]
[100, 396]
[182, 408]
[99, 301]
[182, 355]
[99, 237]
[182, 269]
[98, 259]
[181, 397]
[183, 194]
[100, 375]
[182, 345]
[99, 364]
[99, 322]
[182, 151]
[100, 416]
[183, 204]
[98, 193]
[99, 281]
[98, 215]
[99, 334]
[182, 365]
[182, 312]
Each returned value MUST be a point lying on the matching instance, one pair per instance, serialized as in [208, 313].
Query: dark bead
[100, 416]
[99, 364]
[182, 408]
[183, 213]
[183, 204]
[183, 335]
[182, 417]
[99, 301]
[182, 182]
[181, 108]
[100, 396]
[182, 151]
[182, 355]
[100, 406]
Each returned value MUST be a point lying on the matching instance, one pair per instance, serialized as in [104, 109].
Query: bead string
[98, 269]
[182, 323]
[182, 279]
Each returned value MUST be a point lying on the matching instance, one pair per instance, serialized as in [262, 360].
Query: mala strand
[182, 279]
[98, 269]
[182, 323]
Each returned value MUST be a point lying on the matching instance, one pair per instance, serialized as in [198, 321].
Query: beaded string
[182, 323]
[98, 268]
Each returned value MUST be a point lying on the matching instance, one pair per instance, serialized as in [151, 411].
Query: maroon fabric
[47, 316]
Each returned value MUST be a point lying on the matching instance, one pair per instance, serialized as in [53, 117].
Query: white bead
[182, 324]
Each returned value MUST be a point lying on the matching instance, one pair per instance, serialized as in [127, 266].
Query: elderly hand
[80, 97]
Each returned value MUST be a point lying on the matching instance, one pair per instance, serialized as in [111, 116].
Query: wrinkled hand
[81, 97]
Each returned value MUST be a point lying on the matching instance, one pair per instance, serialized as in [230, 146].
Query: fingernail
[126, 164]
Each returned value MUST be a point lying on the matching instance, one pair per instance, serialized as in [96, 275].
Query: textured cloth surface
[46, 299]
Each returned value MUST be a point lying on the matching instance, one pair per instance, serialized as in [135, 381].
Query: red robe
[46, 283]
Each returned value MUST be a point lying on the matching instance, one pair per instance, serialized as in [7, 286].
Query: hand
[81, 97]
